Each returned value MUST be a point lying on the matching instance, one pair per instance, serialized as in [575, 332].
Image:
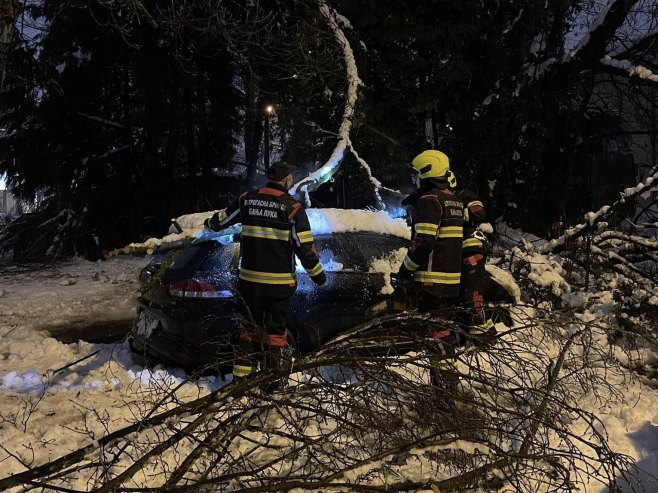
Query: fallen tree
[370, 421]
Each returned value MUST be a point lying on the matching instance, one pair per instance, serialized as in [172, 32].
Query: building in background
[9, 206]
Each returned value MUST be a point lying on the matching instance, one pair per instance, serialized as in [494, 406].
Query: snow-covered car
[189, 311]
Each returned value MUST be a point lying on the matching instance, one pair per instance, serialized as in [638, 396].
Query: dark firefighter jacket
[474, 215]
[275, 227]
[434, 258]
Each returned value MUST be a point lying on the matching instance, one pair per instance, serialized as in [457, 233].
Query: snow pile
[388, 265]
[506, 280]
[51, 406]
[545, 272]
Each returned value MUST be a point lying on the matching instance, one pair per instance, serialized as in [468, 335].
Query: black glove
[206, 223]
[320, 279]
[404, 274]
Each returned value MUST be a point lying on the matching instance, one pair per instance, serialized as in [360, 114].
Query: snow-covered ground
[70, 296]
[58, 397]
[49, 408]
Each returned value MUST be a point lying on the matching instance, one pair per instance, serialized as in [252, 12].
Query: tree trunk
[9, 10]
[253, 129]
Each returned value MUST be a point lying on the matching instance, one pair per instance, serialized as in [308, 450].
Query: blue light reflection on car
[225, 239]
[397, 212]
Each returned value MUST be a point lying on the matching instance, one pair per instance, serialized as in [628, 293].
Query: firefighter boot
[245, 362]
[278, 357]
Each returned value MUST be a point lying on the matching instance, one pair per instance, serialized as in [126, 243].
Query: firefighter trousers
[472, 279]
[263, 334]
[441, 343]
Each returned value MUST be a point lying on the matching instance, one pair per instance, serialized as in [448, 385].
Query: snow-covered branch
[592, 219]
[627, 67]
[592, 46]
[326, 171]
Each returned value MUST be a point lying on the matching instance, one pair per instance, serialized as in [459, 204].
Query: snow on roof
[323, 221]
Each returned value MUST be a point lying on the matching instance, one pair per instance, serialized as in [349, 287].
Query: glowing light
[269, 108]
[397, 212]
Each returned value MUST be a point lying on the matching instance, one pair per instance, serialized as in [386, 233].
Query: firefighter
[432, 267]
[474, 258]
[275, 228]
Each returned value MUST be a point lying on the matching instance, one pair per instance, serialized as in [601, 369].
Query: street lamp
[269, 111]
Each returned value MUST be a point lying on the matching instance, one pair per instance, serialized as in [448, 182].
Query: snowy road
[74, 300]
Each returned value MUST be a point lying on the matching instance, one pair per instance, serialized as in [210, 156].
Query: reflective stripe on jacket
[275, 228]
[435, 254]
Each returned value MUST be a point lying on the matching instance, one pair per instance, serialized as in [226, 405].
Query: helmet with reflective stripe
[434, 164]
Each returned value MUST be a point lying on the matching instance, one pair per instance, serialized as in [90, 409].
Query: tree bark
[9, 11]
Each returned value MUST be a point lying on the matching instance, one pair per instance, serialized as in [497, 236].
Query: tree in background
[124, 110]
[512, 91]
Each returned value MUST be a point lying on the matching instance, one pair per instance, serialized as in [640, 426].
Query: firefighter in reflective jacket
[433, 261]
[275, 228]
[474, 258]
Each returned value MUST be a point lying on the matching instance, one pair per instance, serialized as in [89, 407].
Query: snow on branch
[627, 67]
[594, 218]
[329, 169]
[324, 173]
[593, 44]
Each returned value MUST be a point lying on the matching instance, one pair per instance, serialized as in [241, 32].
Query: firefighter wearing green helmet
[432, 266]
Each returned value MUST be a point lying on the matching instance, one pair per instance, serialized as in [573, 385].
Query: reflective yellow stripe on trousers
[266, 277]
[437, 277]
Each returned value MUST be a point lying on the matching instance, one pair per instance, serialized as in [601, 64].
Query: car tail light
[193, 288]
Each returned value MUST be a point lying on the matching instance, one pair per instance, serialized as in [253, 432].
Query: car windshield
[373, 246]
[357, 251]
[335, 254]
[222, 258]
[338, 252]
[185, 257]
